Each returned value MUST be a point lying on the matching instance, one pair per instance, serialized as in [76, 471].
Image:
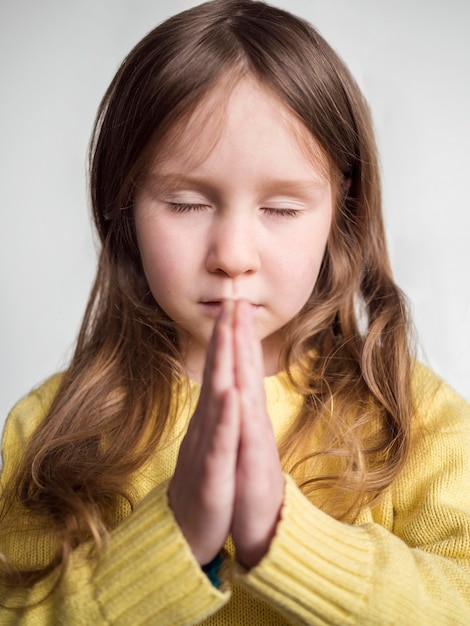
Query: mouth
[214, 307]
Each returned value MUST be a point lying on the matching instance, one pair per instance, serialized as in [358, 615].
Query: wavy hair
[351, 338]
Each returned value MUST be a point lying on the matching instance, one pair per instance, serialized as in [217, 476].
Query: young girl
[242, 436]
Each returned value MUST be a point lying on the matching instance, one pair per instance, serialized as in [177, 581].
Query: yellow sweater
[406, 561]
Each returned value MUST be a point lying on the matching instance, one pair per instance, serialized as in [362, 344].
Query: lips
[214, 306]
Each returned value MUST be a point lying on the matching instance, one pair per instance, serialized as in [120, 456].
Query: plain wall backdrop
[412, 60]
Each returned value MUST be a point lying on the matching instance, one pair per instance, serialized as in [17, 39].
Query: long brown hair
[351, 338]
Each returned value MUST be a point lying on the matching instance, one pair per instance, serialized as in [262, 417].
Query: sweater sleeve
[415, 570]
[146, 573]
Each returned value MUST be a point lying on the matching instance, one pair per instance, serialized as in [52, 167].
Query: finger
[223, 360]
[202, 490]
[219, 367]
[249, 368]
[256, 431]
[260, 483]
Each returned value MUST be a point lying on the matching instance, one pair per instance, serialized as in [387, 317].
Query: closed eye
[184, 207]
[281, 212]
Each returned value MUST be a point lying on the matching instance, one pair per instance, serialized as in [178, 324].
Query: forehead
[243, 110]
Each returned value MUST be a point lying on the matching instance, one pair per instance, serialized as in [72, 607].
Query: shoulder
[436, 404]
[440, 431]
[431, 499]
[26, 416]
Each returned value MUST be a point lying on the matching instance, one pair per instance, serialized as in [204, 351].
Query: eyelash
[178, 207]
[281, 212]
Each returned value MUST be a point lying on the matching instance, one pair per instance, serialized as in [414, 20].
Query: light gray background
[411, 58]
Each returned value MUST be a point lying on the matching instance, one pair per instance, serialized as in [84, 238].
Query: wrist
[211, 570]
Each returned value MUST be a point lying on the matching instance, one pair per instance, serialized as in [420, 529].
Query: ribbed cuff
[316, 567]
[148, 573]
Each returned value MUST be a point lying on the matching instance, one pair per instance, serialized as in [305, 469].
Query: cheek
[158, 256]
[304, 279]
[299, 263]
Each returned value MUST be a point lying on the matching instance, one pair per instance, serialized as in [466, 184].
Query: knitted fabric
[405, 561]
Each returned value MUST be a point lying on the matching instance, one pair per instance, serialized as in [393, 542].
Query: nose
[233, 248]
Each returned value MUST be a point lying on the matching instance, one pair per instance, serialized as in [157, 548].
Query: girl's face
[235, 206]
